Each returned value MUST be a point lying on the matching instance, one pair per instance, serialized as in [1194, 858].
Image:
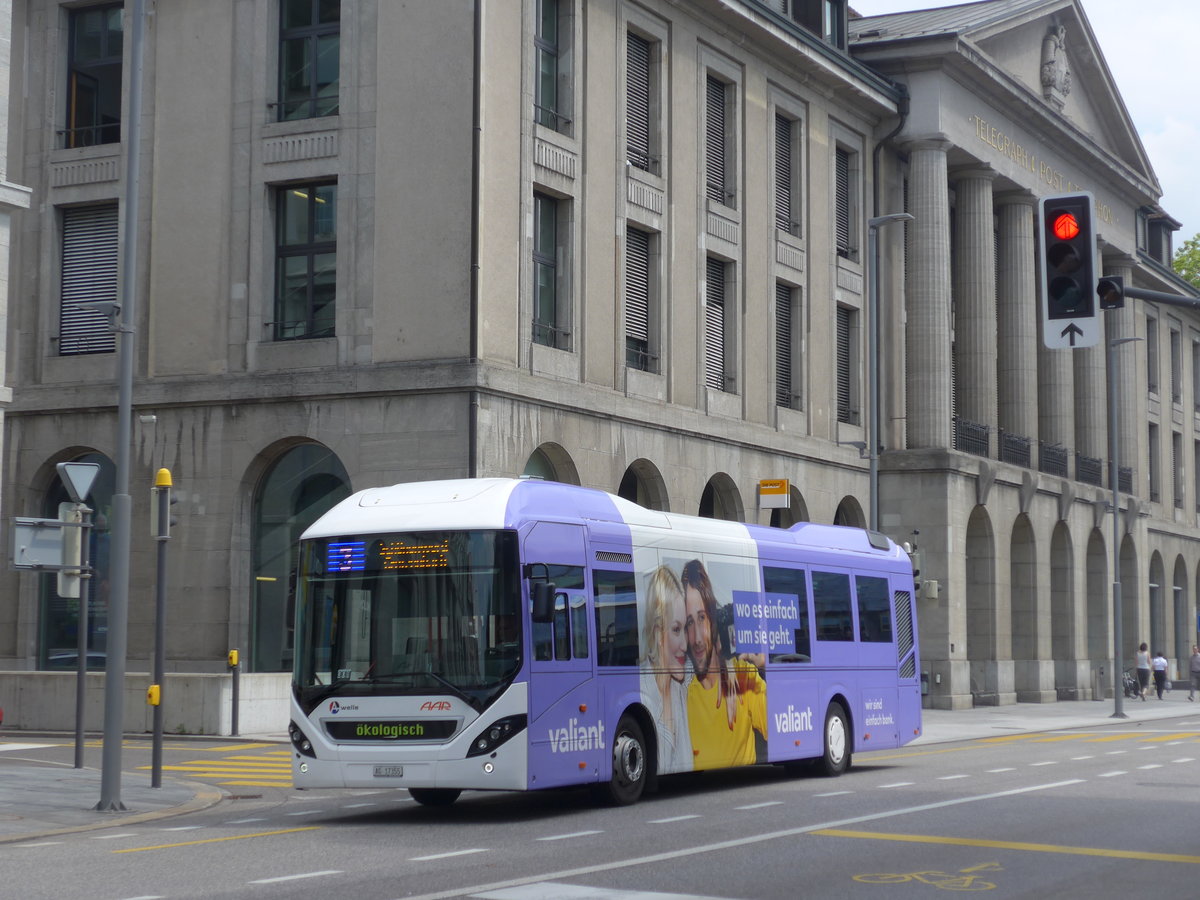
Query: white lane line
[1184, 759]
[673, 819]
[296, 877]
[761, 805]
[896, 784]
[748, 840]
[1005, 769]
[184, 828]
[1151, 766]
[1112, 774]
[358, 805]
[833, 794]
[112, 837]
[307, 812]
[951, 777]
[42, 844]
[1047, 762]
[564, 837]
[1115, 752]
[550, 890]
[1079, 758]
[147, 897]
[246, 821]
[447, 855]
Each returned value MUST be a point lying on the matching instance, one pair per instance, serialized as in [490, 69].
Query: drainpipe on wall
[476, 100]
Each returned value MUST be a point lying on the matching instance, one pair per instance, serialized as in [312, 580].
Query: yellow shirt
[714, 743]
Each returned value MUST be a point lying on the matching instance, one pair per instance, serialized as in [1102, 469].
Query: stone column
[1017, 318]
[1091, 398]
[927, 336]
[975, 298]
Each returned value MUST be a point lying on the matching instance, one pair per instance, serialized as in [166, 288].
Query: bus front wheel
[837, 741]
[434, 796]
[629, 763]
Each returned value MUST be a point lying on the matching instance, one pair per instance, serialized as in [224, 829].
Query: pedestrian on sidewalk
[1160, 672]
[1143, 668]
[1194, 672]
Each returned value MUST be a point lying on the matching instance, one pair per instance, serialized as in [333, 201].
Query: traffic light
[1067, 253]
[1111, 290]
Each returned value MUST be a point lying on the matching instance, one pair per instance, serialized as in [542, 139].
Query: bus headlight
[496, 734]
[301, 742]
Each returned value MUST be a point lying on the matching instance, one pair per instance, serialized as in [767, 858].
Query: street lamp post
[873, 435]
[1115, 480]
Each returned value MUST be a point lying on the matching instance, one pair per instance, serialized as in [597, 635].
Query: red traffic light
[1066, 226]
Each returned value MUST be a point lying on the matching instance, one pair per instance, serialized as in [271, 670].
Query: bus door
[566, 734]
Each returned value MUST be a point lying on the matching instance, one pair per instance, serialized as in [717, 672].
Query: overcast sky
[1150, 48]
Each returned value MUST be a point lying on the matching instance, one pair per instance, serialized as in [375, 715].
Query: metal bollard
[235, 669]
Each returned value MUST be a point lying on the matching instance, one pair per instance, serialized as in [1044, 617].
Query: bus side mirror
[543, 601]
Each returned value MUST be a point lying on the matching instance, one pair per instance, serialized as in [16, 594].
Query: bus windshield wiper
[394, 677]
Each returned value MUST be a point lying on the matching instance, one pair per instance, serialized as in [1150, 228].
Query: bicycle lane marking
[697, 850]
[1148, 856]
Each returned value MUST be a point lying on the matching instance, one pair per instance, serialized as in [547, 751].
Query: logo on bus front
[436, 705]
[335, 707]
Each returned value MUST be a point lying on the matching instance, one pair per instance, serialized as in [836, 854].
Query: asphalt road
[1094, 812]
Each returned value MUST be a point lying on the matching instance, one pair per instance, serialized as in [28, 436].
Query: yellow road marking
[1013, 845]
[1183, 735]
[232, 837]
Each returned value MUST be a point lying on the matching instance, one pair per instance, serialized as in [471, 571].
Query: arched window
[299, 488]
[58, 638]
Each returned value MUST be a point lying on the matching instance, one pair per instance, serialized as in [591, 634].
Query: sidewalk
[39, 800]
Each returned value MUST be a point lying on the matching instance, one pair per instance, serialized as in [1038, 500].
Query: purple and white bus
[517, 634]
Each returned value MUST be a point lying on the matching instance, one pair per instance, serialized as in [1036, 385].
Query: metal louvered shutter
[714, 141]
[783, 345]
[637, 101]
[714, 325]
[844, 411]
[637, 299]
[842, 200]
[783, 174]
[905, 638]
[89, 272]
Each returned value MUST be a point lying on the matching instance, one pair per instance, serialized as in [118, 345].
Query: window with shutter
[716, 141]
[714, 324]
[637, 102]
[784, 178]
[842, 201]
[637, 300]
[784, 347]
[89, 273]
[847, 407]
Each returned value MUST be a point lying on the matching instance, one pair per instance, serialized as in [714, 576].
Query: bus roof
[507, 503]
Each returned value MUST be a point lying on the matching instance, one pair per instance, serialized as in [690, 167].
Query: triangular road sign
[78, 478]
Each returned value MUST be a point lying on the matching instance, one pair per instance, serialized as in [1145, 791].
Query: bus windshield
[427, 612]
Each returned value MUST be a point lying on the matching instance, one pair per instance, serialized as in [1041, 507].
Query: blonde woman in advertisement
[665, 670]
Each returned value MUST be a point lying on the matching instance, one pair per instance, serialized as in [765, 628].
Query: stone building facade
[623, 244]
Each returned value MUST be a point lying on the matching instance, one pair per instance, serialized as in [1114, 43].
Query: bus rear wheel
[628, 765]
[434, 796]
[837, 741]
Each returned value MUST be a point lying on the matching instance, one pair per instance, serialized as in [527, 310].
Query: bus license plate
[389, 771]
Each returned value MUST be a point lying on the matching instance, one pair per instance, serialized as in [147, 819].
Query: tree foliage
[1187, 260]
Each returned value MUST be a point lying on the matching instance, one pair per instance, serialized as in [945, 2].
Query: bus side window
[616, 618]
[579, 629]
[831, 606]
[791, 582]
[562, 632]
[874, 610]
